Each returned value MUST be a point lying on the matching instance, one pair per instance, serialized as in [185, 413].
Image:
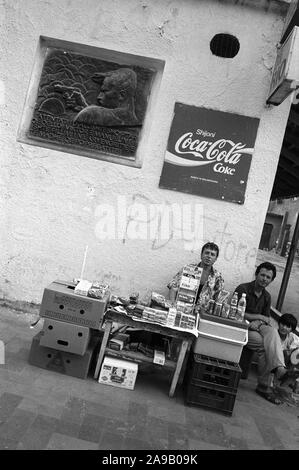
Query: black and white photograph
[149, 227]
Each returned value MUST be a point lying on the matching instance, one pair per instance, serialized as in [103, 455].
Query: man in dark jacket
[262, 336]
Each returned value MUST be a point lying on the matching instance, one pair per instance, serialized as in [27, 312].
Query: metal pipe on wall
[288, 268]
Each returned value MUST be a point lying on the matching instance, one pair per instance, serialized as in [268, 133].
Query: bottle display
[241, 308]
[233, 306]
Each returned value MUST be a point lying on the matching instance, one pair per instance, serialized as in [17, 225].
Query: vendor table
[185, 337]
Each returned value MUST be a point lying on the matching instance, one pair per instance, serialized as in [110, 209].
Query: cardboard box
[118, 341]
[118, 373]
[60, 302]
[60, 361]
[65, 336]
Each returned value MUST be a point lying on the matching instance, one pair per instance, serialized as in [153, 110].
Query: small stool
[245, 361]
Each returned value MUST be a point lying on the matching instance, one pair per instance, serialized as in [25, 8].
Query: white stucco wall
[51, 200]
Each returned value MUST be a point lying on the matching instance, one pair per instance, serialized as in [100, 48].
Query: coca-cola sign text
[219, 153]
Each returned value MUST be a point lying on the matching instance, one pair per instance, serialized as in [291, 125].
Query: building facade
[279, 224]
[55, 203]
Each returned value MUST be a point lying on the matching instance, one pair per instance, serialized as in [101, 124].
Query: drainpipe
[281, 231]
[285, 240]
[288, 268]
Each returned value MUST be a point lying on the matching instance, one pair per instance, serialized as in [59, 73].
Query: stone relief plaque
[85, 102]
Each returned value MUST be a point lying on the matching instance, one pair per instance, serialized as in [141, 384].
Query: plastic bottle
[173, 294]
[233, 306]
[211, 306]
[241, 308]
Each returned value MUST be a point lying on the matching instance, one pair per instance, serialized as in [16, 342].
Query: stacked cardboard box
[68, 337]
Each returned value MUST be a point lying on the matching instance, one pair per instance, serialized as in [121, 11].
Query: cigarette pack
[83, 287]
[184, 307]
[189, 283]
[159, 357]
[188, 298]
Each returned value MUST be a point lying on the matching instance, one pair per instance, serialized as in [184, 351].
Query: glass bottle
[233, 306]
[241, 308]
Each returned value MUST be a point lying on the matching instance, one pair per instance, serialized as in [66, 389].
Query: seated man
[262, 336]
[211, 282]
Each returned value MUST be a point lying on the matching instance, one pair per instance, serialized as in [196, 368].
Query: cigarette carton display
[189, 283]
[118, 373]
[186, 297]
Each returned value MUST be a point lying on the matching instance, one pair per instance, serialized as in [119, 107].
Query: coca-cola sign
[209, 153]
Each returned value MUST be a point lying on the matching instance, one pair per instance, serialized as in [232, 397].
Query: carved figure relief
[91, 103]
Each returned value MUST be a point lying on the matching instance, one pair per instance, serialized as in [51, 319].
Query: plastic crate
[225, 321]
[212, 396]
[219, 340]
[213, 371]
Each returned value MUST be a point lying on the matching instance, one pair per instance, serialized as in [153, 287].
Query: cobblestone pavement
[43, 409]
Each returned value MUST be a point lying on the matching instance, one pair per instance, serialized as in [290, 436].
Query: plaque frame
[123, 59]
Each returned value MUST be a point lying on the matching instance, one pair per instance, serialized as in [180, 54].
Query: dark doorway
[266, 236]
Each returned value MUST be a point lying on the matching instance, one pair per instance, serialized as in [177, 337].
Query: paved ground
[41, 409]
[291, 300]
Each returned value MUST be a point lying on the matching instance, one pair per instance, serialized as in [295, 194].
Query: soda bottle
[241, 308]
[225, 310]
[211, 306]
[233, 306]
[217, 309]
